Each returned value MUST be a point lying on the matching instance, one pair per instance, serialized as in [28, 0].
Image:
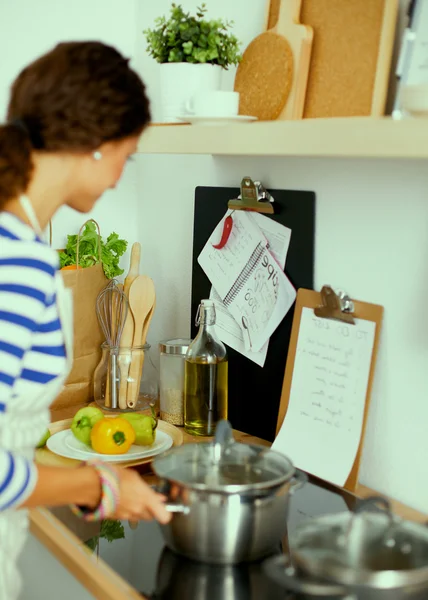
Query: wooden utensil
[272, 76]
[147, 324]
[128, 331]
[141, 300]
[271, 14]
[143, 341]
[351, 56]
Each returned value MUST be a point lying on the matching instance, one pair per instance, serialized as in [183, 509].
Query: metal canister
[172, 355]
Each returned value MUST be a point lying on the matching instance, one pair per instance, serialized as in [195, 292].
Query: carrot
[70, 267]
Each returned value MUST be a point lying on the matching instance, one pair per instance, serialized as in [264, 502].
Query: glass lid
[224, 465]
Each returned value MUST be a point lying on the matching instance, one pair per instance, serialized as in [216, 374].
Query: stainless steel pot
[369, 553]
[230, 499]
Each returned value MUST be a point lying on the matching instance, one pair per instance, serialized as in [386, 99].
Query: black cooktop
[143, 560]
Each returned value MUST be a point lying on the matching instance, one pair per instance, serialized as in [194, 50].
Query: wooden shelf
[355, 137]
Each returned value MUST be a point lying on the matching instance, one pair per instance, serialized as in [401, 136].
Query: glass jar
[126, 379]
[172, 355]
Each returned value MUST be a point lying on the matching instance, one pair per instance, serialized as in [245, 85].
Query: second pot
[370, 554]
[231, 500]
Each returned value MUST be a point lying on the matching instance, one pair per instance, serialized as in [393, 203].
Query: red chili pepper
[227, 229]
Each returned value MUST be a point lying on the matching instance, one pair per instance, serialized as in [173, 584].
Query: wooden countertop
[64, 542]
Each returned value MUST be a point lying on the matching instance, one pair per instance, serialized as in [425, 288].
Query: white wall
[372, 224]
[28, 29]
[371, 239]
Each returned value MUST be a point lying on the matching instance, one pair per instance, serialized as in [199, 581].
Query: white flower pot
[180, 81]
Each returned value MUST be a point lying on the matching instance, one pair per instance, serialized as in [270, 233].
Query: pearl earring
[97, 155]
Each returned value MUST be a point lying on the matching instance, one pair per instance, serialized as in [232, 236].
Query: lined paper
[248, 279]
[322, 429]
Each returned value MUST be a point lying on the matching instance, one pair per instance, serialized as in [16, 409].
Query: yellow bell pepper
[112, 436]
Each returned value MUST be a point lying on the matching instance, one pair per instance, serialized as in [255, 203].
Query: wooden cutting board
[272, 75]
[351, 56]
[45, 457]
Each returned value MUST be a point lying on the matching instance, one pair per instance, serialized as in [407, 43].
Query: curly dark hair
[74, 98]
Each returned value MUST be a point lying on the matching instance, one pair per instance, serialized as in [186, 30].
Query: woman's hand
[138, 501]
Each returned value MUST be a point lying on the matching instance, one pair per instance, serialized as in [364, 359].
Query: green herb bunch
[111, 251]
[110, 530]
[184, 38]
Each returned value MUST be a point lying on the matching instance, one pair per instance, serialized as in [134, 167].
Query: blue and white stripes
[32, 353]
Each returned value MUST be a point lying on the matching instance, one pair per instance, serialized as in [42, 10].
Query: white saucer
[194, 120]
[65, 444]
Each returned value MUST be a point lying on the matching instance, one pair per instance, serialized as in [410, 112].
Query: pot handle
[373, 503]
[175, 507]
[279, 569]
[298, 480]
[172, 507]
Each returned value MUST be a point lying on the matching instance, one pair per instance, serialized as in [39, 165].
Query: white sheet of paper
[228, 330]
[224, 266]
[231, 333]
[262, 303]
[277, 235]
[250, 282]
[322, 428]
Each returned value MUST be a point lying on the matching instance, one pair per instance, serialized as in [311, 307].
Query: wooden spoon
[147, 324]
[128, 330]
[141, 301]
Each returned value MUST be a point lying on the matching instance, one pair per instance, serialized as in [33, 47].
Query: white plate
[65, 444]
[193, 120]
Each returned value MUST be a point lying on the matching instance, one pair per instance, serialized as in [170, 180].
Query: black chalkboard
[254, 392]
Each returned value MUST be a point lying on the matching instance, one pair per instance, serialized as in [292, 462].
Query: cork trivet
[265, 76]
[351, 56]
[272, 76]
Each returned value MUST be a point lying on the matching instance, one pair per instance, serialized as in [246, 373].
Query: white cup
[213, 104]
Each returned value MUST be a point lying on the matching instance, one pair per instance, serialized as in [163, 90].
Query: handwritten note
[248, 279]
[224, 266]
[230, 331]
[321, 431]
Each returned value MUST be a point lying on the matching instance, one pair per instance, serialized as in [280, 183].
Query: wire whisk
[112, 309]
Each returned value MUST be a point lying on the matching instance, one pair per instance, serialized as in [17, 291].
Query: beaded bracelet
[109, 494]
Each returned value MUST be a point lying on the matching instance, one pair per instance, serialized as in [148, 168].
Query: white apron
[27, 414]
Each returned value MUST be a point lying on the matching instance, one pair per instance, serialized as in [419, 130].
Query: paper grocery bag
[85, 284]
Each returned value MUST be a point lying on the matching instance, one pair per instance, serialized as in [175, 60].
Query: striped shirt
[32, 353]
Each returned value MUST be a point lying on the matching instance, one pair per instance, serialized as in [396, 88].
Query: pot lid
[224, 465]
[367, 548]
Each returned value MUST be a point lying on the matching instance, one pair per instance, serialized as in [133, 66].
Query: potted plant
[192, 51]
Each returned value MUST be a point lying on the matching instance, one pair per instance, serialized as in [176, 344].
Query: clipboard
[328, 304]
[294, 209]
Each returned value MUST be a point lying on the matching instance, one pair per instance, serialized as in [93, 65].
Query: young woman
[74, 118]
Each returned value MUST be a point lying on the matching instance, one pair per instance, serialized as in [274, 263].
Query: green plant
[111, 251]
[184, 38]
[110, 530]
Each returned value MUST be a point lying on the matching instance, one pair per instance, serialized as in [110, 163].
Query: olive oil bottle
[205, 377]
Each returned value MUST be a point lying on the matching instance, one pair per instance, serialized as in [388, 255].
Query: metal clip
[335, 306]
[253, 196]
[346, 304]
